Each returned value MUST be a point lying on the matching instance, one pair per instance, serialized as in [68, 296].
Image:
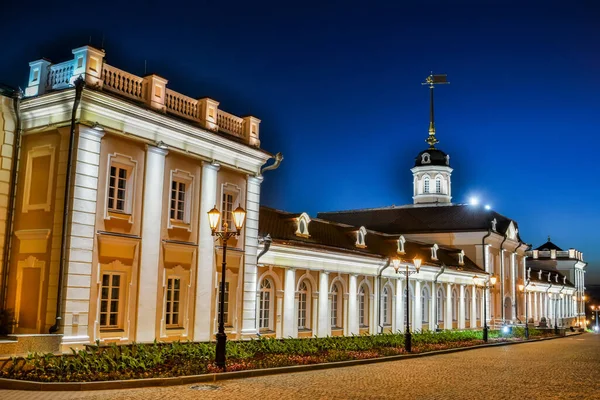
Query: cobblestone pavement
[554, 369]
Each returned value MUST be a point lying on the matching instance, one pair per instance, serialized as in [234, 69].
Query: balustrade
[60, 75]
[118, 81]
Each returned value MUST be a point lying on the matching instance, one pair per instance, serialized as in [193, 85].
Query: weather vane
[431, 81]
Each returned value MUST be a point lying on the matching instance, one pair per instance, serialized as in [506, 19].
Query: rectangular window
[225, 302]
[334, 310]
[110, 300]
[172, 307]
[227, 210]
[438, 186]
[178, 200]
[302, 311]
[117, 189]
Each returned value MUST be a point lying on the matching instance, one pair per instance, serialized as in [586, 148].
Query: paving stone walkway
[566, 368]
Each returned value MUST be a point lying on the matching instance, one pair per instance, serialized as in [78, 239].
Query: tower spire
[431, 81]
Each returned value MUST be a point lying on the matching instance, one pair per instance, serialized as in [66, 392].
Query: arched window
[363, 307]
[438, 185]
[360, 237]
[303, 221]
[426, 184]
[478, 305]
[265, 317]
[386, 306]
[454, 305]
[439, 306]
[304, 305]
[425, 304]
[468, 305]
[336, 308]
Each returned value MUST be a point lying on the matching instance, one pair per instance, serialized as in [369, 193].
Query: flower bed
[161, 360]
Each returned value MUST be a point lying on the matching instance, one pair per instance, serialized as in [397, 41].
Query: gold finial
[432, 80]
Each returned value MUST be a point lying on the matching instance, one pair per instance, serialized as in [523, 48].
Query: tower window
[426, 185]
[438, 185]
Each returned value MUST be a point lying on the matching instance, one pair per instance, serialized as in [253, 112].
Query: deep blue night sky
[337, 87]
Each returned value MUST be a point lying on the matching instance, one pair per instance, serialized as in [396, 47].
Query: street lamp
[485, 284]
[523, 288]
[595, 309]
[239, 215]
[417, 263]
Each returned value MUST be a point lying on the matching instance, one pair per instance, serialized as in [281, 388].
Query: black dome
[432, 157]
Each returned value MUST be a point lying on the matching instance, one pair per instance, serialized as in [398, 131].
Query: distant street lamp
[239, 215]
[485, 284]
[595, 309]
[523, 288]
[417, 263]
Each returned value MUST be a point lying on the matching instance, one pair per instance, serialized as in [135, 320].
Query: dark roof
[423, 219]
[549, 246]
[7, 90]
[436, 157]
[281, 226]
[535, 273]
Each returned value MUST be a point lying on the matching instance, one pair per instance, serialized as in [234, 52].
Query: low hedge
[156, 360]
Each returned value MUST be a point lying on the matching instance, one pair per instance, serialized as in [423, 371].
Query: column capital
[92, 132]
[324, 272]
[160, 149]
[257, 180]
[212, 165]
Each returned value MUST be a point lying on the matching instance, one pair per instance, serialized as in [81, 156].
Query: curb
[16, 384]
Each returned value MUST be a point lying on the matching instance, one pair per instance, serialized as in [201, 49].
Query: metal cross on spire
[432, 80]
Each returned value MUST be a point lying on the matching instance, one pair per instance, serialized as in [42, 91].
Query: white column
[352, 306]
[81, 237]
[204, 301]
[417, 314]
[448, 319]
[399, 305]
[473, 306]
[513, 284]
[289, 304]
[150, 252]
[432, 310]
[323, 326]
[461, 307]
[249, 328]
[535, 307]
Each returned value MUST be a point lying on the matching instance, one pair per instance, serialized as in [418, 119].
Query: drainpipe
[12, 194]
[275, 165]
[377, 282]
[502, 277]
[79, 85]
[485, 261]
[267, 242]
[434, 295]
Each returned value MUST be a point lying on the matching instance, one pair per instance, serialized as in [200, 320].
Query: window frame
[363, 306]
[129, 164]
[38, 152]
[180, 301]
[122, 300]
[270, 310]
[426, 185]
[424, 305]
[235, 191]
[304, 297]
[180, 176]
[386, 302]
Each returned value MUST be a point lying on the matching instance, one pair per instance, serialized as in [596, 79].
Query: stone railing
[121, 82]
[571, 254]
[230, 123]
[59, 75]
[151, 90]
[180, 104]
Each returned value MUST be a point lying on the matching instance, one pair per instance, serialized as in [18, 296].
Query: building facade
[109, 238]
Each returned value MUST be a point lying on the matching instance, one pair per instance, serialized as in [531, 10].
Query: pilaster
[206, 256]
[323, 326]
[352, 306]
[150, 252]
[461, 307]
[289, 304]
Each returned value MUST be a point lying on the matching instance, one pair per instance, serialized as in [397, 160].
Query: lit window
[426, 185]
[225, 303]
[363, 303]
[424, 305]
[177, 201]
[227, 210]
[172, 307]
[110, 301]
[335, 307]
[117, 188]
[302, 230]
[265, 300]
[438, 185]
[387, 309]
[303, 311]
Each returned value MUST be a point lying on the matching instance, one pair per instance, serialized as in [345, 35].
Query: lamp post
[239, 215]
[485, 284]
[595, 309]
[523, 288]
[417, 263]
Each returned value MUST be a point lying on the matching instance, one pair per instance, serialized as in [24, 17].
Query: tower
[431, 172]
